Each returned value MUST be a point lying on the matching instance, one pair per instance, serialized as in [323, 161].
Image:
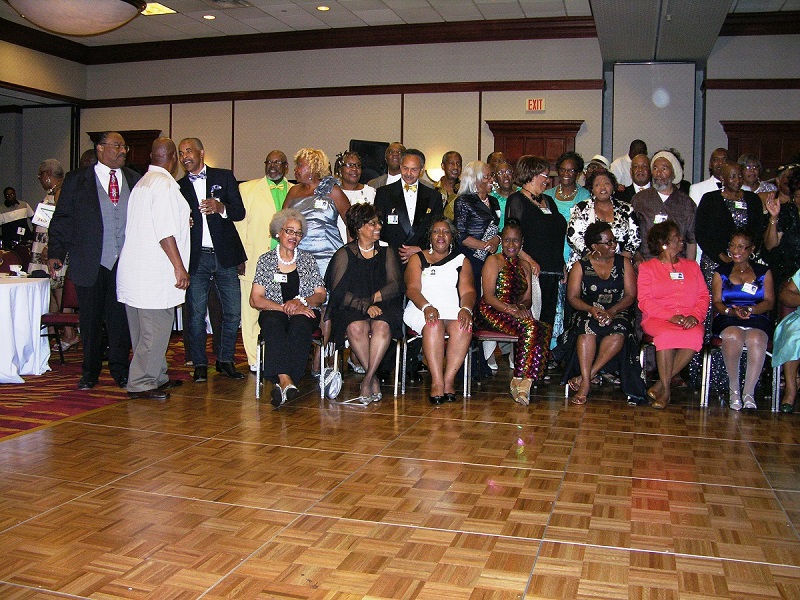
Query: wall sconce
[78, 17]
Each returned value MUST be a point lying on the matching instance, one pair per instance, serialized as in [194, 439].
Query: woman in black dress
[366, 296]
[543, 229]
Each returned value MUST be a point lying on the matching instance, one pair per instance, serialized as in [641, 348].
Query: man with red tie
[89, 224]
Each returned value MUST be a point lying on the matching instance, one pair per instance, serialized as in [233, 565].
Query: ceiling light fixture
[78, 17]
[154, 8]
[209, 17]
[323, 8]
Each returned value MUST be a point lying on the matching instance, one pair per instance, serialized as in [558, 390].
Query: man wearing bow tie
[262, 199]
[216, 252]
[89, 224]
[408, 208]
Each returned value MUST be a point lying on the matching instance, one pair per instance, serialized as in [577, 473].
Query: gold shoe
[515, 383]
[524, 392]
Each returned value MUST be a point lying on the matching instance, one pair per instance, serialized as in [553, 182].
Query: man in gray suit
[394, 154]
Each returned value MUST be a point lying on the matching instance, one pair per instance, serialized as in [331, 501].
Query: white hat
[599, 158]
[676, 166]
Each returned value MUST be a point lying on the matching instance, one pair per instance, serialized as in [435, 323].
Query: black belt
[204, 249]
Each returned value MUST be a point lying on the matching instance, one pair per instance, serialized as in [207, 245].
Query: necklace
[287, 262]
[560, 192]
[365, 250]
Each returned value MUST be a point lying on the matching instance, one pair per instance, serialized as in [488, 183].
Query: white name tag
[546, 211]
[321, 204]
[676, 276]
[280, 278]
[740, 204]
[750, 288]
[393, 220]
[497, 212]
[659, 218]
[44, 212]
[20, 231]
[429, 272]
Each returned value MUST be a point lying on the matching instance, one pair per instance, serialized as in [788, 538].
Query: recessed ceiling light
[209, 17]
[323, 8]
[154, 8]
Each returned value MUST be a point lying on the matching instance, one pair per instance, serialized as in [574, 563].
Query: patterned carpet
[53, 397]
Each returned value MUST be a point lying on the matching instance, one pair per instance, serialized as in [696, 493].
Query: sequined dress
[322, 238]
[533, 337]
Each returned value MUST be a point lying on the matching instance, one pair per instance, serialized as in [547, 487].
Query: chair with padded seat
[316, 339]
[69, 300]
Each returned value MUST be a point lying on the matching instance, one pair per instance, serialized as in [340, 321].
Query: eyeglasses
[292, 232]
[117, 147]
[352, 165]
[562, 170]
[609, 243]
[275, 163]
[374, 223]
[545, 175]
[503, 172]
[752, 168]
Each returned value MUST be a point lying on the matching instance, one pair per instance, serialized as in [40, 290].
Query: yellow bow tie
[276, 186]
[410, 188]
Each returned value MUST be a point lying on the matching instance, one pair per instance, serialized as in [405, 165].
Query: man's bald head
[164, 154]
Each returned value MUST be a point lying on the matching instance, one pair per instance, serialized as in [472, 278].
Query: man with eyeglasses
[216, 253]
[262, 198]
[89, 224]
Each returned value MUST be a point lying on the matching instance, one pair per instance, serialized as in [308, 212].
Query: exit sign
[535, 104]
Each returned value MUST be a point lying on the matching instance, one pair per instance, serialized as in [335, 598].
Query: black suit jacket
[77, 224]
[227, 244]
[389, 200]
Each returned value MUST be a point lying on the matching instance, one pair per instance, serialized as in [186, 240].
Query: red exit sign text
[535, 104]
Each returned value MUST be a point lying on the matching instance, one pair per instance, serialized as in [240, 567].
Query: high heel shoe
[749, 402]
[735, 401]
[354, 368]
[65, 346]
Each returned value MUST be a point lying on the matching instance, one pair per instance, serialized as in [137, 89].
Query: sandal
[749, 402]
[575, 383]
[578, 399]
[787, 408]
[735, 401]
[523, 396]
[652, 393]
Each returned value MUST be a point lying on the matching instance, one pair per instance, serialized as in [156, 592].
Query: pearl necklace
[287, 262]
[365, 250]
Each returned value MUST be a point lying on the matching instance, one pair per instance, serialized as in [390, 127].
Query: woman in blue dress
[743, 297]
[786, 347]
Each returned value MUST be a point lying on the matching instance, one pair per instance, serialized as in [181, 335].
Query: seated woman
[288, 290]
[441, 294]
[673, 298]
[743, 296]
[506, 306]
[786, 347]
[601, 287]
[366, 296]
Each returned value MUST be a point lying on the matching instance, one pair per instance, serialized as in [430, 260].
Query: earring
[752, 256]
[430, 250]
[664, 247]
[594, 253]
[451, 247]
[728, 253]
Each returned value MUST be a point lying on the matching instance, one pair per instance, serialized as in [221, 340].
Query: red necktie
[113, 188]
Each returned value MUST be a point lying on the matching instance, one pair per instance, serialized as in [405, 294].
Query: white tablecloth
[22, 349]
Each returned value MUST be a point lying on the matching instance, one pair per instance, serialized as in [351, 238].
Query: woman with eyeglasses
[366, 296]
[543, 229]
[348, 169]
[288, 290]
[601, 287]
[743, 296]
[673, 298]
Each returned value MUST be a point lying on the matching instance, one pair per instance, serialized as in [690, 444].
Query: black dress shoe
[437, 400]
[156, 394]
[122, 381]
[227, 368]
[200, 374]
[172, 383]
[87, 383]
[449, 396]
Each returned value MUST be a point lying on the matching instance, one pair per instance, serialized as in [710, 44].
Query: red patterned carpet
[53, 397]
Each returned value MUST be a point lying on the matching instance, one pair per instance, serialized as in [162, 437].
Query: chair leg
[467, 373]
[403, 368]
[322, 370]
[259, 354]
[397, 368]
[705, 377]
[776, 389]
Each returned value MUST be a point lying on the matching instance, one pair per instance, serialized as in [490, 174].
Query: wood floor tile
[462, 497]
[256, 475]
[335, 428]
[781, 464]
[116, 543]
[84, 453]
[316, 558]
[486, 443]
[14, 592]
[25, 496]
[720, 462]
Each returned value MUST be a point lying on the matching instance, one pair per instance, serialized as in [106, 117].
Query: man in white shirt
[718, 159]
[152, 273]
[621, 167]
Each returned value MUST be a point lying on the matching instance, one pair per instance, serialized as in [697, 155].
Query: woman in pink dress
[673, 298]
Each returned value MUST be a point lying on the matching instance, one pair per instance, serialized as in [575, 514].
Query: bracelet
[426, 306]
[469, 310]
[771, 222]
[727, 310]
[303, 301]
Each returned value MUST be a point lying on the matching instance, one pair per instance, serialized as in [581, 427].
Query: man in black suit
[408, 208]
[640, 175]
[217, 252]
[89, 224]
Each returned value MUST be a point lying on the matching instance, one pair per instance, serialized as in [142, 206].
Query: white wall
[40, 71]
[46, 134]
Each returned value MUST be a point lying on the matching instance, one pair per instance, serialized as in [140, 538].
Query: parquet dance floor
[212, 495]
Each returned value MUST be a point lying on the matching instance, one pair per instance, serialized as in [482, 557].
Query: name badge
[497, 212]
[429, 272]
[321, 204]
[659, 218]
[750, 288]
[280, 278]
[393, 220]
[740, 204]
[676, 276]
[20, 231]
[546, 211]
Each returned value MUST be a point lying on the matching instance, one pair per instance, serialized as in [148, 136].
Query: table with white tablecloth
[23, 351]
